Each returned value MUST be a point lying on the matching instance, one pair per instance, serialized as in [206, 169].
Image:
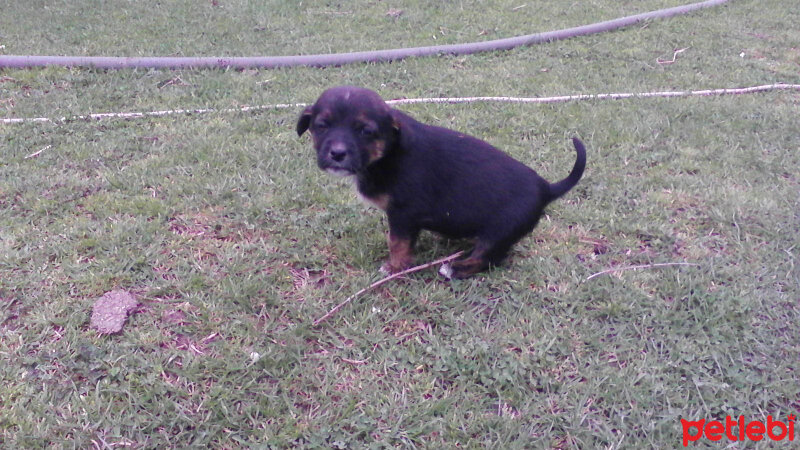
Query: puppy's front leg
[401, 251]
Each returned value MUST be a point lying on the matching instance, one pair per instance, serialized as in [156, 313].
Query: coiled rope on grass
[338, 59]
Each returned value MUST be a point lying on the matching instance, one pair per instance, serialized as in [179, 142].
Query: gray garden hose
[337, 59]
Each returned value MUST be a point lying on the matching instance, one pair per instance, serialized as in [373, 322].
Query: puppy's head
[351, 128]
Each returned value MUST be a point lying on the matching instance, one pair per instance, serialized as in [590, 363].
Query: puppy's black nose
[338, 155]
[338, 152]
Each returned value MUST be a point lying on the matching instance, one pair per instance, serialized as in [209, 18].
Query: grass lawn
[234, 242]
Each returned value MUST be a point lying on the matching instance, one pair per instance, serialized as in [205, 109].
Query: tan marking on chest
[379, 201]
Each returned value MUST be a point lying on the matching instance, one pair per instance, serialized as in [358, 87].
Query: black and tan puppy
[430, 178]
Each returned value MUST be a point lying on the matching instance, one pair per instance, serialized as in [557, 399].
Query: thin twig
[382, 281]
[177, 81]
[643, 266]
[674, 57]
[35, 154]
[354, 362]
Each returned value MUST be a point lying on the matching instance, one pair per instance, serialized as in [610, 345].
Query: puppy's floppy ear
[304, 121]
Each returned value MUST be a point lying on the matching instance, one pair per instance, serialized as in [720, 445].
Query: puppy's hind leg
[477, 261]
[485, 254]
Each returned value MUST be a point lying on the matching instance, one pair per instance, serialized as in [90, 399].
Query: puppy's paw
[464, 268]
[446, 271]
[388, 269]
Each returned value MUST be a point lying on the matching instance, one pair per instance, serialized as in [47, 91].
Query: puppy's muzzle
[338, 157]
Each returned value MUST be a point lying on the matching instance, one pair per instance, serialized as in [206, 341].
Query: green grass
[234, 242]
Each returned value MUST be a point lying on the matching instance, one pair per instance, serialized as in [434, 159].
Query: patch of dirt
[111, 310]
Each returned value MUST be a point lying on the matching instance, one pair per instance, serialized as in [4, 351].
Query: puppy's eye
[321, 125]
[367, 132]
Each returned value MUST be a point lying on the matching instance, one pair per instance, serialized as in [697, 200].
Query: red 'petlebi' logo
[738, 430]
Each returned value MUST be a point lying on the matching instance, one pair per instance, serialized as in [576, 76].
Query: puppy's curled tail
[560, 188]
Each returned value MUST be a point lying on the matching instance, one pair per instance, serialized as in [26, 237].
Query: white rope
[407, 101]
[617, 96]
[139, 115]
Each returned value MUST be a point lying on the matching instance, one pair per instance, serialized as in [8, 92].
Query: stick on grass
[383, 281]
[35, 154]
